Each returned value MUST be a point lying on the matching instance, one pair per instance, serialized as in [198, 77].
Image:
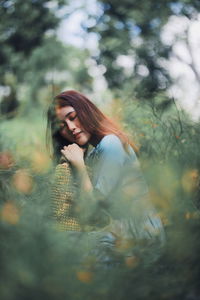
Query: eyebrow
[69, 113]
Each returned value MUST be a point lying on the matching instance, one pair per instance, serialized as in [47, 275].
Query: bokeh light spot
[84, 276]
[23, 181]
[10, 213]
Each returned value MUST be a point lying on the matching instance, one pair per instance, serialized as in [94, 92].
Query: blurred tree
[34, 64]
[130, 42]
[24, 25]
[51, 67]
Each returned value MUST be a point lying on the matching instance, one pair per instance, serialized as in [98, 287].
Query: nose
[70, 125]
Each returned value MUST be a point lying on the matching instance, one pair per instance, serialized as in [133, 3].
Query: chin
[82, 142]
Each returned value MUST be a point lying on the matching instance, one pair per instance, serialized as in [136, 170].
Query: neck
[94, 140]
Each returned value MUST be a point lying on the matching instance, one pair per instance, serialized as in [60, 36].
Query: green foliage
[46, 74]
[23, 25]
[39, 261]
[34, 64]
[133, 28]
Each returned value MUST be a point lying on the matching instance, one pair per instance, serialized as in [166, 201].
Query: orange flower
[190, 180]
[6, 160]
[84, 276]
[22, 181]
[40, 162]
[10, 213]
[131, 261]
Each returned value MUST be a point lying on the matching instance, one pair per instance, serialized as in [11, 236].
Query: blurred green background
[122, 55]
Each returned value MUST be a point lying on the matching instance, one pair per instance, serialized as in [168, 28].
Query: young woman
[114, 197]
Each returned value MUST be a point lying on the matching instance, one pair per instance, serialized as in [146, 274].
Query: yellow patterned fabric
[63, 195]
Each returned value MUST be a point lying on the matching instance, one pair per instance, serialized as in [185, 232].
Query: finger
[64, 151]
[71, 147]
[64, 156]
[74, 146]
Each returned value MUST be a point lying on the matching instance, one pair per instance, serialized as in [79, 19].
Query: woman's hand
[75, 155]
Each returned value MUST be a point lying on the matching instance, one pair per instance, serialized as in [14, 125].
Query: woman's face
[70, 126]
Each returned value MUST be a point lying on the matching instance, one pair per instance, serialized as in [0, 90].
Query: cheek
[65, 134]
[78, 124]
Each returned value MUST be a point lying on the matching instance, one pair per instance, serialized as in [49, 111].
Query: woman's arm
[87, 204]
[107, 174]
[94, 196]
[107, 161]
[75, 155]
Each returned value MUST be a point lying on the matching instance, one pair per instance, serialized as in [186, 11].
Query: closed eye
[72, 118]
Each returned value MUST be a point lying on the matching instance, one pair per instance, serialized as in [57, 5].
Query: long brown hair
[91, 118]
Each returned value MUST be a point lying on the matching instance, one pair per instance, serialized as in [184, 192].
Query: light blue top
[116, 175]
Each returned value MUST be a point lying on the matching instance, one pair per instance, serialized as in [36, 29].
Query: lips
[76, 135]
